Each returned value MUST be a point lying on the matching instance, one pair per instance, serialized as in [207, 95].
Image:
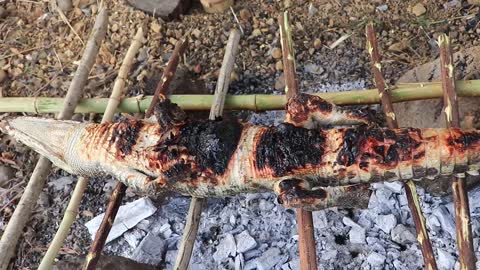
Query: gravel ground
[37, 56]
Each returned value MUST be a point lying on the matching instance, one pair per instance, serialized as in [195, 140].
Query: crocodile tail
[48, 137]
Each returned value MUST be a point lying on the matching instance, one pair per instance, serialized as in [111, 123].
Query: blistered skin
[218, 158]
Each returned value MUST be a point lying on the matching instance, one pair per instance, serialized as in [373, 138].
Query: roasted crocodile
[311, 168]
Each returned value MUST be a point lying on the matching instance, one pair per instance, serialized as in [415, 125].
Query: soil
[39, 53]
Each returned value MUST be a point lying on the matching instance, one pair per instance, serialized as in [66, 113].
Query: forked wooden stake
[119, 191]
[196, 204]
[306, 238]
[410, 188]
[27, 203]
[460, 196]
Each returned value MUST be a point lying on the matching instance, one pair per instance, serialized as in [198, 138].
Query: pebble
[265, 205]
[382, 8]
[65, 5]
[197, 33]
[133, 237]
[155, 27]
[256, 32]
[3, 73]
[317, 43]
[328, 255]
[314, 69]
[60, 183]
[312, 10]
[376, 259]
[225, 248]
[419, 9]
[279, 67]
[3, 12]
[395, 187]
[445, 260]
[474, 2]
[401, 234]
[276, 53]
[291, 265]
[6, 173]
[269, 259]
[245, 242]
[386, 222]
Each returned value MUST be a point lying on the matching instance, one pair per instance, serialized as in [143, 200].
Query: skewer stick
[120, 189]
[37, 181]
[410, 188]
[72, 208]
[196, 204]
[460, 196]
[306, 238]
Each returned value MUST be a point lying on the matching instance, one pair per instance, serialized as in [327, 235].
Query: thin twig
[196, 204]
[460, 196]
[236, 19]
[65, 20]
[72, 208]
[29, 198]
[306, 238]
[410, 188]
[120, 189]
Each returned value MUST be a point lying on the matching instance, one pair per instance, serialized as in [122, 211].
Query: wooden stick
[72, 208]
[196, 204]
[120, 189]
[410, 188]
[168, 74]
[29, 198]
[306, 238]
[460, 196]
[398, 93]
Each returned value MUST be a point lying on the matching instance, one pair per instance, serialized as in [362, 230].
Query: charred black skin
[125, 136]
[212, 143]
[169, 114]
[286, 147]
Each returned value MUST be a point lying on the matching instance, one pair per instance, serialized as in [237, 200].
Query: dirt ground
[39, 53]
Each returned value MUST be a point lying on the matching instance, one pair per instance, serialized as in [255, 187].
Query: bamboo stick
[306, 238]
[256, 102]
[460, 197]
[29, 198]
[120, 189]
[410, 188]
[196, 204]
[72, 208]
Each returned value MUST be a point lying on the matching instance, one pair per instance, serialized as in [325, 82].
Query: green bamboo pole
[399, 93]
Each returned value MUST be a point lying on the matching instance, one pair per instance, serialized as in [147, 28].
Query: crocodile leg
[309, 111]
[295, 193]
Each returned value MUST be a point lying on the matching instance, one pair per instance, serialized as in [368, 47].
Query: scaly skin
[309, 168]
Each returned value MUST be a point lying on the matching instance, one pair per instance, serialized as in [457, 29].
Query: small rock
[269, 259]
[65, 5]
[319, 219]
[244, 242]
[61, 183]
[314, 69]
[312, 10]
[165, 230]
[419, 9]
[280, 82]
[225, 248]
[317, 43]
[398, 46]
[402, 235]
[382, 8]
[376, 259]
[244, 14]
[291, 265]
[239, 262]
[6, 173]
[357, 235]
[197, 33]
[3, 12]
[256, 32]
[276, 53]
[474, 2]
[133, 237]
[386, 222]
[445, 260]
[279, 66]
[155, 27]
[271, 21]
[150, 250]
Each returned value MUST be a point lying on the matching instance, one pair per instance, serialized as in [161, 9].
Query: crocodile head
[48, 137]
